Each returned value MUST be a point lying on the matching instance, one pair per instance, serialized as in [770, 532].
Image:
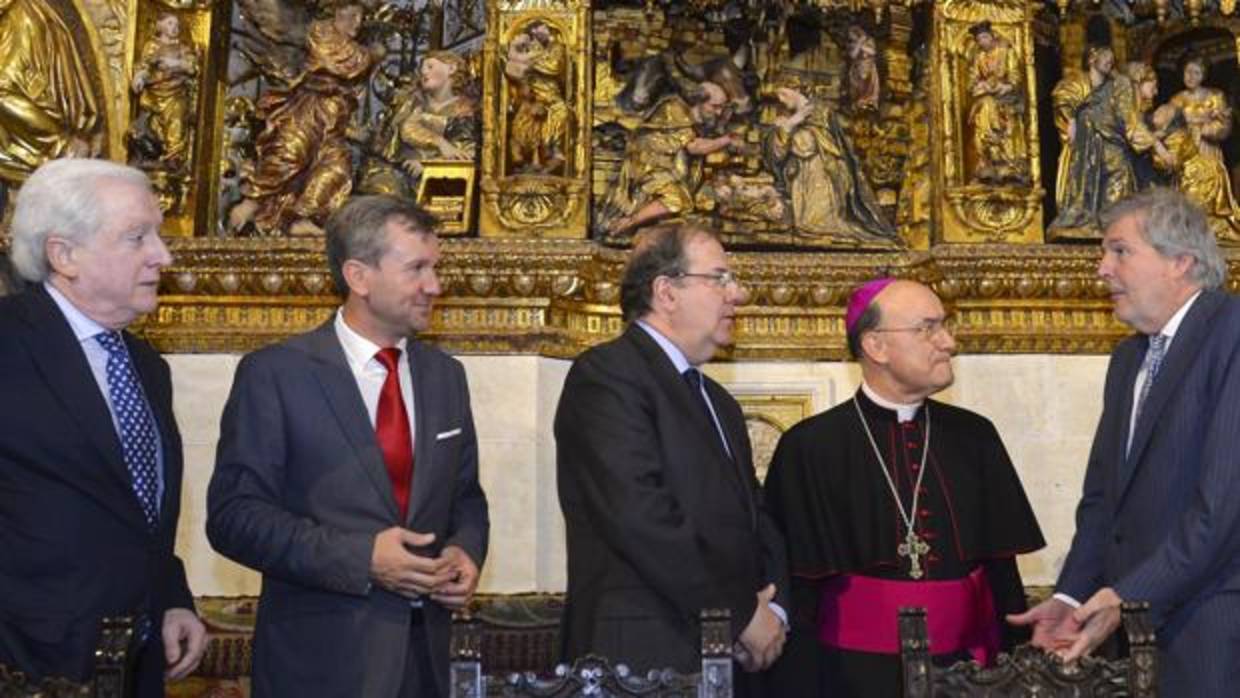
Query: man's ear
[662, 293]
[356, 277]
[874, 347]
[60, 256]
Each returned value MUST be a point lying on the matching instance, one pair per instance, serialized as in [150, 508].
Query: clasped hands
[1072, 633]
[398, 564]
[763, 639]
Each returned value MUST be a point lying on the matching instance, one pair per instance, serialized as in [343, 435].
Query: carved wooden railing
[595, 676]
[1029, 671]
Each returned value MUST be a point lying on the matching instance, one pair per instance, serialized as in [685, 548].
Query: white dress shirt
[370, 374]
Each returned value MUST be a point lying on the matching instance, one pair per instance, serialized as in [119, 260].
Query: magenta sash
[860, 614]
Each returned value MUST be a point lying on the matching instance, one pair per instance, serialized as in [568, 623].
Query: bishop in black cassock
[852, 560]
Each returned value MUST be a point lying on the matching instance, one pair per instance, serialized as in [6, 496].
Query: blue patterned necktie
[137, 426]
[1153, 361]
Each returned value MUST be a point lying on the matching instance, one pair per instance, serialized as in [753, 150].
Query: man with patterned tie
[347, 473]
[90, 456]
[1159, 517]
[892, 499]
[662, 510]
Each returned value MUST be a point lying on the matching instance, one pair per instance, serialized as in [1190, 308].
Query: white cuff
[1067, 599]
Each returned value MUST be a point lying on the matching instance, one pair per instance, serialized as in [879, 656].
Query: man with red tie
[347, 473]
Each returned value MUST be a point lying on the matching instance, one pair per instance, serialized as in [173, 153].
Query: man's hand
[1098, 618]
[1054, 627]
[763, 639]
[185, 640]
[396, 567]
[464, 580]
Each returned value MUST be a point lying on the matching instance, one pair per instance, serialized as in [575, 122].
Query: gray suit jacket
[1162, 524]
[300, 490]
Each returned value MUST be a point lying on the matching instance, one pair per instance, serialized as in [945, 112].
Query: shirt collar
[357, 348]
[904, 411]
[1173, 325]
[673, 352]
[83, 327]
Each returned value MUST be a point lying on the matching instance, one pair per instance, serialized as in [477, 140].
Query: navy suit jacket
[299, 492]
[74, 545]
[660, 521]
[1162, 523]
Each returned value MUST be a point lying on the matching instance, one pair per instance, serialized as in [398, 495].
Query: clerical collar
[904, 412]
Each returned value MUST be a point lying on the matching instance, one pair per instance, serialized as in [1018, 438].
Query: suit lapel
[1182, 354]
[345, 400]
[686, 402]
[62, 363]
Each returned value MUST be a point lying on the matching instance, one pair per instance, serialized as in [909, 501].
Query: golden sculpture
[304, 168]
[47, 106]
[1200, 171]
[1147, 130]
[434, 120]
[1000, 153]
[164, 82]
[818, 168]
[864, 86]
[535, 65]
[1095, 167]
[662, 166]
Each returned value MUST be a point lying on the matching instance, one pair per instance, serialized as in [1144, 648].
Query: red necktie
[392, 428]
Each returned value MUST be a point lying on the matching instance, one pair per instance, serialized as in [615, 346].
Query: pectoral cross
[913, 548]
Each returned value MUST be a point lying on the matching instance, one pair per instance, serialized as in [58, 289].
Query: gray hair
[658, 251]
[61, 198]
[868, 321]
[356, 231]
[1173, 225]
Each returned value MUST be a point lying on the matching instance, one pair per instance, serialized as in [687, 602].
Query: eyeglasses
[927, 329]
[722, 279]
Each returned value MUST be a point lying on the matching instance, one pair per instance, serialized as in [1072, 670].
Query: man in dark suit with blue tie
[662, 510]
[1159, 517]
[347, 473]
[90, 456]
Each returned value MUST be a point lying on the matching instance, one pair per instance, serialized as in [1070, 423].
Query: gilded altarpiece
[830, 141]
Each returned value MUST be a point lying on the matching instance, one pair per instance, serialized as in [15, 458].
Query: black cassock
[826, 490]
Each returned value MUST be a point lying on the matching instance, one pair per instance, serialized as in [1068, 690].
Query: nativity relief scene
[886, 129]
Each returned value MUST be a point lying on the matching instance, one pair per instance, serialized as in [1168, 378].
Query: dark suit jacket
[660, 522]
[299, 492]
[74, 545]
[1163, 524]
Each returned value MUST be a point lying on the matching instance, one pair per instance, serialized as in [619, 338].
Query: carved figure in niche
[996, 112]
[818, 170]
[434, 120]
[47, 107]
[1096, 168]
[164, 80]
[864, 86]
[535, 66]
[1199, 169]
[303, 168]
[662, 167]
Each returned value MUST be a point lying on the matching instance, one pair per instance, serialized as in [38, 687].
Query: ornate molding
[556, 297]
